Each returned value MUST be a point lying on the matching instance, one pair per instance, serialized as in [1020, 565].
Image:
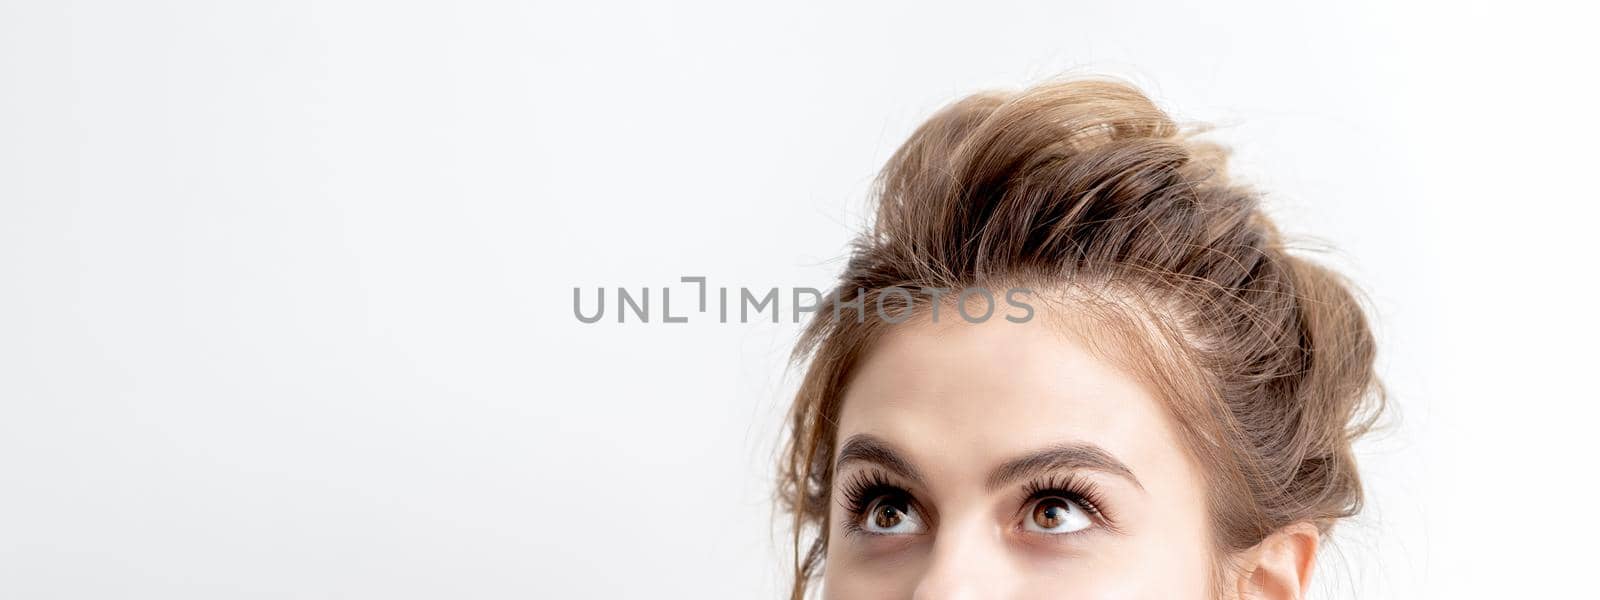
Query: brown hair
[1265, 358]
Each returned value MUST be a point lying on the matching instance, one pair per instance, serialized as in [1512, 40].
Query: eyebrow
[872, 449]
[1064, 456]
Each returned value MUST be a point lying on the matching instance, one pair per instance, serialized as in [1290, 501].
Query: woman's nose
[967, 562]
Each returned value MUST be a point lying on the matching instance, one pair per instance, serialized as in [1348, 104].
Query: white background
[286, 287]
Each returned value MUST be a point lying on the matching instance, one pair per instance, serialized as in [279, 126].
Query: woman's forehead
[987, 392]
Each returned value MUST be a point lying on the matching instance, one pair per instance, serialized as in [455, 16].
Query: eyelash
[1073, 488]
[868, 485]
[865, 487]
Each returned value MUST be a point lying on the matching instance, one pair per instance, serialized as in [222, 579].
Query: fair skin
[1004, 460]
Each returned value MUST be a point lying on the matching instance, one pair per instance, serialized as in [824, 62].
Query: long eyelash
[1074, 488]
[864, 487]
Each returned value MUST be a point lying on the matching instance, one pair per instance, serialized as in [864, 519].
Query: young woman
[1170, 416]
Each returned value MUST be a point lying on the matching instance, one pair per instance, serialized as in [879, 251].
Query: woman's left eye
[1057, 515]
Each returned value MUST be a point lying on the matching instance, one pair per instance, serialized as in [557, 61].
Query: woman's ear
[1279, 568]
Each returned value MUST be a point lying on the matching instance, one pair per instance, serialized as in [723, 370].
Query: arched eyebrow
[1062, 457]
[872, 449]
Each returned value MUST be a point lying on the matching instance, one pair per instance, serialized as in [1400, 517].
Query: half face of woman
[1003, 460]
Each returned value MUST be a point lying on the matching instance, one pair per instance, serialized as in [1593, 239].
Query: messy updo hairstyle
[1263, 358]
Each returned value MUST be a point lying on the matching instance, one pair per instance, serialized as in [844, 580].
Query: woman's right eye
[891, 515]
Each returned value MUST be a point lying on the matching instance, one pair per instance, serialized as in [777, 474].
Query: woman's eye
[1057, 515]
[890, 515]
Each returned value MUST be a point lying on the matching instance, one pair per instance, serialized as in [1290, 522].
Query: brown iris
[1051, 513]
[887, 516]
